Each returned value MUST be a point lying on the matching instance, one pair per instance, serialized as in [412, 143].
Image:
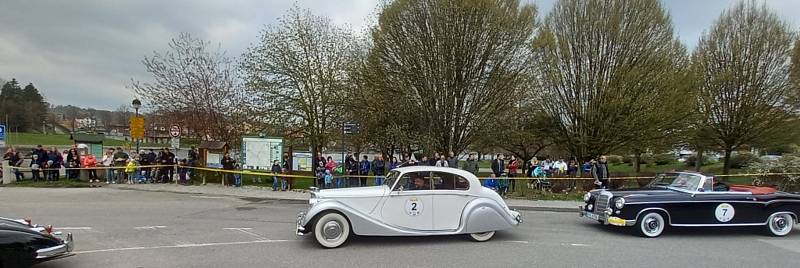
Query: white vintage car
[414, 201]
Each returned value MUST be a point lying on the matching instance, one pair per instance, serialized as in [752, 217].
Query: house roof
[213, 145]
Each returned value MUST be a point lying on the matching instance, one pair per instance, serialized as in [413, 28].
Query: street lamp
[136, 105]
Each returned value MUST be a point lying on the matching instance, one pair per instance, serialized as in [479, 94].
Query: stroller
[540, 179]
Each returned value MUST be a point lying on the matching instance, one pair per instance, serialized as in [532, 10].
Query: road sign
[175, 131]
[175, 143]
[137, 127]
[2, 135]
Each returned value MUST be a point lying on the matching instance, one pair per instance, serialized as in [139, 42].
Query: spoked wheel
[332, 230]
[780, 224]
[481, 237]
[651, 225]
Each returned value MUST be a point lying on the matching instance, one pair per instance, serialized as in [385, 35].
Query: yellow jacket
[130, 167]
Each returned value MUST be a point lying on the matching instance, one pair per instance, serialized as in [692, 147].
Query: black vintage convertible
[693, 200]
[23, 244]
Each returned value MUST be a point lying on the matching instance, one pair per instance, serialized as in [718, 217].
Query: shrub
[693, 158]
[741, 160]
[663, 159]
[614, 159]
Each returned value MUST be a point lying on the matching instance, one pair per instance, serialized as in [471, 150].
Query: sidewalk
[256, 193]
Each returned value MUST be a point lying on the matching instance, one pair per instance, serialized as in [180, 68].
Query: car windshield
[683, 181]
[391, 178]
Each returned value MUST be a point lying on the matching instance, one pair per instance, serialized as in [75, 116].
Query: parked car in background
[23, 244]
[414, 201]
[693, 200]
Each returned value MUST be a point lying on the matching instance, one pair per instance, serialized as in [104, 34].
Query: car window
[449, 181]
[414, 181]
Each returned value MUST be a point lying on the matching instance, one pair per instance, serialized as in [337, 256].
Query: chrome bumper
[300, 229]
[57, 251]
[605, 218]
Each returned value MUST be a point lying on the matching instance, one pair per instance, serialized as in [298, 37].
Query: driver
[420, 184]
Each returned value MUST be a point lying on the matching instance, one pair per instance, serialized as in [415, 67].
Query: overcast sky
[84, 52]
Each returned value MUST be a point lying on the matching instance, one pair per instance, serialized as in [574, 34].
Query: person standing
[363, 170]
[228, 165]
[452, 160]
[144, 162]
[471, 165]
[15, 161]
[498, 166]
[192, 160]
[183, 172]
[442, 162]
[120, 162]
[394, 163]
[108, 164]
[276, 170]
[351, 167]
[432, 161]
[39, 159]
[90, 163]
[319, 168]
[54, 162]
[73, 163]
[287, 169]
[378, 169]
[513, 166]
[600, 173]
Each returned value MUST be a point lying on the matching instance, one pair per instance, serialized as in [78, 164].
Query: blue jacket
[490, 183]
[364, 167]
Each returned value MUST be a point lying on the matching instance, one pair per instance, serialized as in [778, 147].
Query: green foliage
[663, 159]
[691, 160]
[25, 108]
[743, 159]
[789, 163]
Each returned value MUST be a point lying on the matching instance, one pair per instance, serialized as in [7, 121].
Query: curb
[303, 201]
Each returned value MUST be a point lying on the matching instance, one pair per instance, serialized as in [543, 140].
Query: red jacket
[89, 161]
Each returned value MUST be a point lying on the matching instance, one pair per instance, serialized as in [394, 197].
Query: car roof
[456, 171]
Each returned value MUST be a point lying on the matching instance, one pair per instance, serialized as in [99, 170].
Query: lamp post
[136, 105]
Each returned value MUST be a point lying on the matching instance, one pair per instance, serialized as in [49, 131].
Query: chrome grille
[601, 202]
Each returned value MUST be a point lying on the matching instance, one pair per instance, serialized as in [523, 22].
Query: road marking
[579, 245]
[245, 230]
[181, 246]
[73, 228]
[208, 197]
[521, 242]
[150, 227]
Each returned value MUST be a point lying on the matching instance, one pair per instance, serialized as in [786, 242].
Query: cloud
[84, 52]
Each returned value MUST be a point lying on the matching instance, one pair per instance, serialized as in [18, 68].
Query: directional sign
[137, 127]
[175, 131]
[2, 135]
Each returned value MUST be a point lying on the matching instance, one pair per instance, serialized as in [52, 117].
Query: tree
[24, 108]
[744, 91]
[299, 71]
[794, 74]
[198, 83]
[446, 68]
[608, 75]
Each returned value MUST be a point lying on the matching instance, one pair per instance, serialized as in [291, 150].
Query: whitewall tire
[481, 237]
[780, 224]
[651, 224]
[332, 230]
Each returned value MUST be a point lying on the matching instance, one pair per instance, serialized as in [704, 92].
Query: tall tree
[794, 74]
[608, 74]
[743, 63]
[24, 108]
[299, 71]
[448, 67]
[197, 81]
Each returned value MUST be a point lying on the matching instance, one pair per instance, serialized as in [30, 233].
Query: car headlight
[619, 203]
[586, 197]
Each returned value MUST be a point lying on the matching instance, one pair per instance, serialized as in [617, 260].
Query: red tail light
[49, 229]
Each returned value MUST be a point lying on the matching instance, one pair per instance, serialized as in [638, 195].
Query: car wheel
[332, 230]
[651, 224]
[780, 224]
[481, 237]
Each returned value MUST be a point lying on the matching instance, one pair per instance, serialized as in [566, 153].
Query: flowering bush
[789, 163]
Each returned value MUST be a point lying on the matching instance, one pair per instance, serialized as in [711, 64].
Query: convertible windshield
[683, 181]
[391, 178]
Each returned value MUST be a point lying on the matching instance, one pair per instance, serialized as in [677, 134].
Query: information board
[259, 153]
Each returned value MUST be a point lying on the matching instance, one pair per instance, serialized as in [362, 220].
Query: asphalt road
[123, 228]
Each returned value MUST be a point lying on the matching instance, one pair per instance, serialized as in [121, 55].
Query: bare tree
[299, 69]
[199, 82]
[446, 68]
[743, 64]
[608, 74]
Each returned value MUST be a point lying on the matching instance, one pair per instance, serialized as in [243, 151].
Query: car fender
[361, 223]
[484, 214]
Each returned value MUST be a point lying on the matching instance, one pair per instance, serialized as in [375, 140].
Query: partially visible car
[23, 243]
[414, 201]
[690, 199]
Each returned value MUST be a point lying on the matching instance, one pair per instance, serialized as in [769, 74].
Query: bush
[614, 159]
[690, 160]
[663, 159]
[741, 160]
[627, 159]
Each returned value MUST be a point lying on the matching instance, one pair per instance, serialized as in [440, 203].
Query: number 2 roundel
[724, 212]
[414, 206]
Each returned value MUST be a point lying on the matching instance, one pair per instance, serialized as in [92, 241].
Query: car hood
[651, 192]
[353, 192]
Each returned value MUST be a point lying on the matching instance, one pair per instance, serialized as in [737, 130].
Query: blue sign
[2, 134]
